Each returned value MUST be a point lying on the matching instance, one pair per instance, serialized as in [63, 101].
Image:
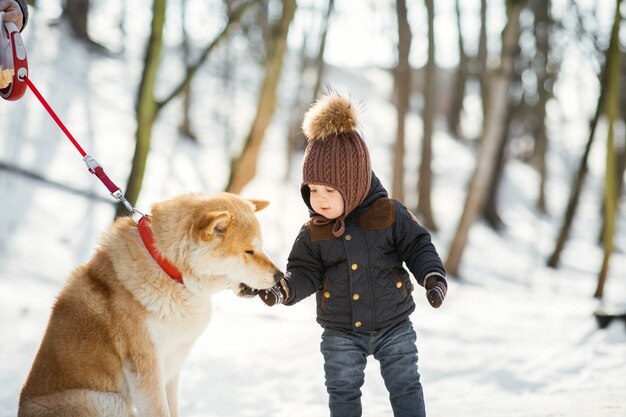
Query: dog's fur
[121, 328]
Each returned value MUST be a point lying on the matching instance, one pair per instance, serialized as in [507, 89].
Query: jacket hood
[376, 191]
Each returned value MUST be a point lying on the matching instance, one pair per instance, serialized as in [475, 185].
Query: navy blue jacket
[359, 278]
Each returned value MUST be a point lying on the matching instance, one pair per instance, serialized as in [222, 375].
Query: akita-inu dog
[121, 327]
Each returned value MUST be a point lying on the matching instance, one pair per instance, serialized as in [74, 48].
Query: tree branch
[233, 18]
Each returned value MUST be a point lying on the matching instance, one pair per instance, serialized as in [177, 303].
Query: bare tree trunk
[482, 60]
[243, 168]
[320, 63]
[295, 139]
[581, 175]
[542, 36]
[620, 157]
[185, 124]
[402, 90]
[294, 130]
[610, 191]
[491, 139]
[621, 169]
[460, 79]
[621, 164]
[148, 107]
[424, 206]
[490, 212]
[77, 13]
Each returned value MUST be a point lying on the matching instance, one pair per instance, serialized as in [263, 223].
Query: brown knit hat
[336, 156]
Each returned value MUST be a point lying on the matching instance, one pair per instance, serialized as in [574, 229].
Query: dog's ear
[259, 204]
[213, 222]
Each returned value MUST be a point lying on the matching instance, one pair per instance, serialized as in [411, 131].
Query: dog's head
[215, 241]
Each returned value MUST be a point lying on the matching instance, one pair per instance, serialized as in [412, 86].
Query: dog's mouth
[246, 291]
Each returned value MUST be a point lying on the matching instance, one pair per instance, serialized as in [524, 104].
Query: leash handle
[19, 63]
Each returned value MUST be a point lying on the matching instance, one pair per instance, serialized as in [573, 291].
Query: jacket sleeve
[24, 7]
[304, 269]
[414, 245]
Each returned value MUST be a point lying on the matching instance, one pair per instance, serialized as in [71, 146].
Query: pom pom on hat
[329, 116]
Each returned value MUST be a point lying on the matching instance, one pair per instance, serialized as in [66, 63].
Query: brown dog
[121, 328]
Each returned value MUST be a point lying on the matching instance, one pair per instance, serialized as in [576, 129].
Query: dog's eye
[250, 252]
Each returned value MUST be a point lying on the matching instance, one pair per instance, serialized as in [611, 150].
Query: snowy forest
[499, 123]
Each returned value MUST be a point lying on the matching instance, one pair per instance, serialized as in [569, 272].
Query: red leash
[54, 116]
[95, 168]
[16, 90]
[93, 165]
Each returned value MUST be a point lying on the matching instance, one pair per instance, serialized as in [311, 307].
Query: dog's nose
[278, 275]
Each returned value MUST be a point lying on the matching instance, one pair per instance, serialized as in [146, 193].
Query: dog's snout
[278, 275]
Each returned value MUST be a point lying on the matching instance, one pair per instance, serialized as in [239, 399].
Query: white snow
[513, 338]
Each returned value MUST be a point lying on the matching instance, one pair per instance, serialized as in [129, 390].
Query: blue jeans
[345, 356]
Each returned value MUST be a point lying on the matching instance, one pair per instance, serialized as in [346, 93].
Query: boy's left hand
[278, 294]
[436, 289]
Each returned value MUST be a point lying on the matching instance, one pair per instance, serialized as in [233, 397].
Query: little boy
[351, 253]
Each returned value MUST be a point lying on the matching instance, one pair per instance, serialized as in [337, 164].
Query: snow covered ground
[513, 337]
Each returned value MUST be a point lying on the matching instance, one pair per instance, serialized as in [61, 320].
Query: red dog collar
[148, 240]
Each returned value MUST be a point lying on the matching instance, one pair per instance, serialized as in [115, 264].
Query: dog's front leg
[172, 394]
[147, 391]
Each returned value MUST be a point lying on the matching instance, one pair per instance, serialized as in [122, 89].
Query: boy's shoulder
[379, 215]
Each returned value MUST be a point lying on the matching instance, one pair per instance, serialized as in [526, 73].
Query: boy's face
[326, 201]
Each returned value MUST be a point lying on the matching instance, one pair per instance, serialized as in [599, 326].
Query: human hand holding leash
[12, 12]
[436, 289]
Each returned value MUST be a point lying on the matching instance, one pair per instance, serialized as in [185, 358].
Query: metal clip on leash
[95, 168]
[135, 215]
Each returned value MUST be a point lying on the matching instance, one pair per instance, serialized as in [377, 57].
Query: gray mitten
[278, 294]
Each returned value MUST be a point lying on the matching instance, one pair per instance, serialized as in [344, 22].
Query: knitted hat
[336, 156]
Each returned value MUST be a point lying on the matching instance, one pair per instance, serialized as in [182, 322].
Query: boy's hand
[275, 295]
[436, 289]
